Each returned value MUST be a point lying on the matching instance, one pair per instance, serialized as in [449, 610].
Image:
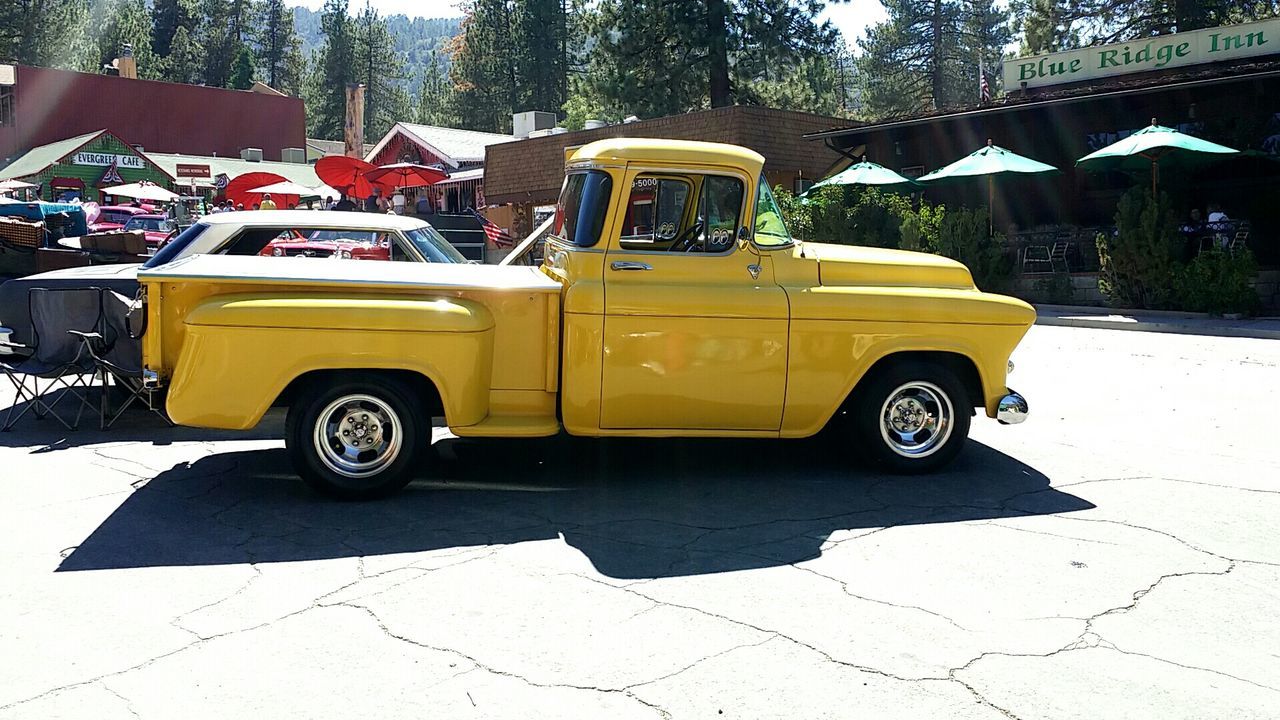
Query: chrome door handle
[624, 265]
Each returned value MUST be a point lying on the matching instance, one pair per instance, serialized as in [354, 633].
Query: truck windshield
[582, 207]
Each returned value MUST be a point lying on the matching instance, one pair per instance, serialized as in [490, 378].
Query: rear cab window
[584, 202]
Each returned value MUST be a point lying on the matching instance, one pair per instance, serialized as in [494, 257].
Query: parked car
[155, 228]
[342, 244]
[115, 217]
[712, 322]
[238, 233]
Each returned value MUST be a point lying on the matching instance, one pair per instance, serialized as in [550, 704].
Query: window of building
[6, 106]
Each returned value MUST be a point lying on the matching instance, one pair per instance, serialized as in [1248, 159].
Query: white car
[298, 235]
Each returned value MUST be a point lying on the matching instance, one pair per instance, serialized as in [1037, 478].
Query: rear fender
[241, 351]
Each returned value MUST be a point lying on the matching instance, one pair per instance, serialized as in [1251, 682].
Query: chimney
[353, 127]
[125, 64]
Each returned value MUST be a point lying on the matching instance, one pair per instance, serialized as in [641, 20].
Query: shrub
[857, 216]
[1217, 282]
[964, 235]
[1055, 289]
[1138, 264]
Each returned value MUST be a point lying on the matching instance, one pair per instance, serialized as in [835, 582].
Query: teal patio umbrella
[990, 161]
[1149, 147]
[865, 173]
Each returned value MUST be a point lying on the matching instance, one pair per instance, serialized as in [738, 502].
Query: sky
[852, 18]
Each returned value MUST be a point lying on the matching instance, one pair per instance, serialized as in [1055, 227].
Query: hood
[847, 265]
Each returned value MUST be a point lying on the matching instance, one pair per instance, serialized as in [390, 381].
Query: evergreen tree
[654, 57]
[185, 61]
[1050, 25]
[38, 32]
[436, 102]
[985, 32]
[167, 17]
[333, 68]
[916, 59]
[540, 44]
[126, 22]
[484, 65]
[242, 69]
[381, 69]
[279, 48]
[219, 42]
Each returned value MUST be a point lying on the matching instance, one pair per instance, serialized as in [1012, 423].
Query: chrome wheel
[916, 419]
[357, 436]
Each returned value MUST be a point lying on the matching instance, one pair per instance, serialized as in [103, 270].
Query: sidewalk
[1157, 321]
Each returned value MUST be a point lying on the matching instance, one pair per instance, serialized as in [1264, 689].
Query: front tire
[356, 439]
[912, 417]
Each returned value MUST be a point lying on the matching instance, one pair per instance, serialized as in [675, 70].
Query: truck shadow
[635, 508]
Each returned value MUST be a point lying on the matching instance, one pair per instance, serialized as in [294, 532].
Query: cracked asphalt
[1117, 556]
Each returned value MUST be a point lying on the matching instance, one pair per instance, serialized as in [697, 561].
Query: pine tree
[126, 22]
[539, 43]
[381, 69]
[218, 41]
[242, 70]
[38, 32]
[185, 61]
[167, 17]
[985, 32]
[279, 48]
[915, 60]
[436, 102]
[332, 69]
[654, 57]
[484, 68]
[1050, 25]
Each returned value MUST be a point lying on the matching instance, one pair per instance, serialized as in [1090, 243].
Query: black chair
[55, 354]
[117, 357]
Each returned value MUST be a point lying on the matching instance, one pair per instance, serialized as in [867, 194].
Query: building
[528, 173]
[317, 148]
[461, 153]
[1214, 83]
[40, 106]
[81, 166]
[197, 174]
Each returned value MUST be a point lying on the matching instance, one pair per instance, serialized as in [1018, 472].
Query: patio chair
[1036, 255]
[1239, 241]
[55, 355]
[117, 357]
[1059, 255]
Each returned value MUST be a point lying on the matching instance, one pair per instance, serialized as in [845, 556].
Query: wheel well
[426, 391]
[961, 365]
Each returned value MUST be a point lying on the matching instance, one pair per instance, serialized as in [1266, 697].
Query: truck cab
[671, 301]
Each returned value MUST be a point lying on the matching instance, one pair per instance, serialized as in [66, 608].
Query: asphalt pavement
[1116, 556]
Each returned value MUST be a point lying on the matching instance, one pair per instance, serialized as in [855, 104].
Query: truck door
[695, 330]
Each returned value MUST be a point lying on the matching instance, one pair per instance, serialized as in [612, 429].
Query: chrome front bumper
[1012, 409]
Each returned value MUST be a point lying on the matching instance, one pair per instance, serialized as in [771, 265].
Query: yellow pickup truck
[671, 301]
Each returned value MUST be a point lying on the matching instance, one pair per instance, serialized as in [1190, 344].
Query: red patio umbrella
[239, 190]
[404, 175]
[348, 175]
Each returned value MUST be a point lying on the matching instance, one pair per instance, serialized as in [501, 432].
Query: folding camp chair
[55, 355]
[1037, 256]
[117, 357]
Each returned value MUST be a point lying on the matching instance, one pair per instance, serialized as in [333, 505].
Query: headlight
[1010, 371]
[344, 254]
[277, 251]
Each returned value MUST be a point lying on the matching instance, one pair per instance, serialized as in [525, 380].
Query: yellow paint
[751, 342]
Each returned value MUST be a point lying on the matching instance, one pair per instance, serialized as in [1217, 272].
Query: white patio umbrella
[142, 191]
[286, 188]
[15, 185]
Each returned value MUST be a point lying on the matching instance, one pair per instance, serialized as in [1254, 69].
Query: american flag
[984, 89]
[495, 234]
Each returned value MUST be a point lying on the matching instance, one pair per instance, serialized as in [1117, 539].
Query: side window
[655, 212]
[719, 212]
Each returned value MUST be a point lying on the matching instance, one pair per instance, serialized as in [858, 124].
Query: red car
[156, 228]
[341, 244]
[114, 217]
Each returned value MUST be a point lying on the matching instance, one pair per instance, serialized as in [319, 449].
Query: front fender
[240, 351]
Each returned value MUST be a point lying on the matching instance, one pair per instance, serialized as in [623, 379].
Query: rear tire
[911, 417]
[356, 438]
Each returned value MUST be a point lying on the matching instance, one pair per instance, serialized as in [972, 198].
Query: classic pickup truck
[671, 301]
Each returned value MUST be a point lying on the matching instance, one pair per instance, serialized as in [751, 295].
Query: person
[328, 203]
[345, 204]
[239, 206]
[372, 202]
[1195, 221]
[257, 206]
[293, 206]
[1216, 215]
[424, 204]
[266, 204]
[179, 214]
[397, 202]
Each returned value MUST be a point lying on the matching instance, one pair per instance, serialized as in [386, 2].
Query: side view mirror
[744, 237]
